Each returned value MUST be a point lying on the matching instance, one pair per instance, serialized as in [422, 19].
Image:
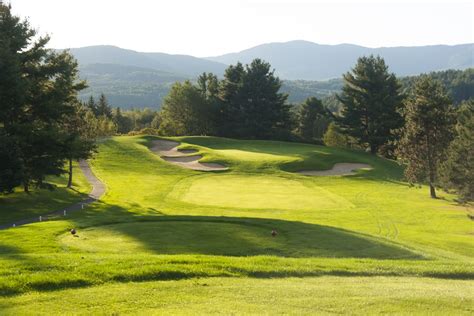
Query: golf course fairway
[168, 239]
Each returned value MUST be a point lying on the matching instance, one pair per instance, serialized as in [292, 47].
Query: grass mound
[231, 237]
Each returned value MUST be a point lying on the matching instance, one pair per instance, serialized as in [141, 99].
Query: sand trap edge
[168, 151]
[339, 169]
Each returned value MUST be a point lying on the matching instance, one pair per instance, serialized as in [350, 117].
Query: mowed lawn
[170, 240]
[19, 205]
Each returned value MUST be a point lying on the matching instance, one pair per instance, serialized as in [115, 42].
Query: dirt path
[98, 189]
[339, 169]
[168, 151]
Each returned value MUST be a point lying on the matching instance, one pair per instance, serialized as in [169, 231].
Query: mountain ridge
[306, 60]
[293, 60]
[131, 78]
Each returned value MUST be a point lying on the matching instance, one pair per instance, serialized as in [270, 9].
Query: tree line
[105, 120]
[44, 127]
[419, 126]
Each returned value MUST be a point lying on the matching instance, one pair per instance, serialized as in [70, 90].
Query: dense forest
[134, 87]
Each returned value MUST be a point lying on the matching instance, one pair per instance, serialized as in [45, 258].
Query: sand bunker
[339, 169]
[167, 148]
[169, 152]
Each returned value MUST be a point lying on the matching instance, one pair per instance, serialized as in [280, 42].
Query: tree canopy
[371, 99]
[252, 106]
[427, 132]
[38, 94]
[457, 171]
[313, 120]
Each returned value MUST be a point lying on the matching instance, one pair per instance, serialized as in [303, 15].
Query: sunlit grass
[322, 295]
[367, 242]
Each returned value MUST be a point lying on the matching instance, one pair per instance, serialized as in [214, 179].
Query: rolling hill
[136, 79]
[183, 65]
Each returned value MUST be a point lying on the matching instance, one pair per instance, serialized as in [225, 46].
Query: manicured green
[170, 240]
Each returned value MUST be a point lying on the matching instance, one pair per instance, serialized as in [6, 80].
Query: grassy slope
[369, 237]
[296, 296]
[19, 205]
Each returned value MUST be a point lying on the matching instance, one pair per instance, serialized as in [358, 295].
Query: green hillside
[165, 239]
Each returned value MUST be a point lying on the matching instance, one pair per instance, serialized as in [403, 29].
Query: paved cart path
[98, 189]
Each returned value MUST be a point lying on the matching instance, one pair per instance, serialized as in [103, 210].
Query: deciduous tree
[186, 112]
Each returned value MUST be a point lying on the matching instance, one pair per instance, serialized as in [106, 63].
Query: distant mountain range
[183, 65]
[136, 79]
[310, 61]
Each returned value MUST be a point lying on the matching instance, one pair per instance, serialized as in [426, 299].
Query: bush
[334, 137]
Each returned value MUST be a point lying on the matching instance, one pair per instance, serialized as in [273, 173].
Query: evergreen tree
[11, 168]
[313, 120]
[92, 105]
[231, 112]
[457, 172]
[371, 99]
[252, 106]
[208, 84]
[103, 107]
[124, 124]
[37, 90]
[427, 132]
[79, 143]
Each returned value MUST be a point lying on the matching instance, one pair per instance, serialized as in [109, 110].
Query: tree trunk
[373, 149]
[26, 187]
[432, 172]
[432, 187]
[69, 181]
[432, 191]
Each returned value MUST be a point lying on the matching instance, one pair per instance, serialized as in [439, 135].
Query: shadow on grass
[184, 247]
[233, 236]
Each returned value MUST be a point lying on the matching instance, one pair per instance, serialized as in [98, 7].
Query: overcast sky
[214, 27]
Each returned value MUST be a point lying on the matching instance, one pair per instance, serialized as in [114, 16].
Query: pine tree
[103, 107]
[371, 99]
[79, 143]
[313, 120]
[457, 172]
[230, 115]
[427, 132]
[124, 123]
[92, 105]
[38, 88]
[252, 106]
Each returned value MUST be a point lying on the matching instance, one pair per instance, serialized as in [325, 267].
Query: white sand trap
[169, 152]
[339, 169]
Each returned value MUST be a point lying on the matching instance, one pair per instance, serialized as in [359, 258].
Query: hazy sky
[213, 27]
